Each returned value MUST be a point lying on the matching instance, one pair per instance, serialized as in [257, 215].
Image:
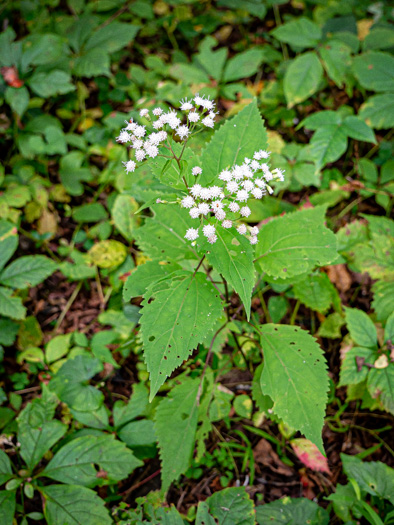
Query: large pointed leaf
[144, 275]
[296, 511]
[75, 462]
[175, 322]
[231, 506]
[295, 377]
[11, 306]
[175, 426]
[27, 271]
[295, 244]
[7, 507]
[302, 78]
[328, 144]
[74, 505]
[232, 256]
[238, 138]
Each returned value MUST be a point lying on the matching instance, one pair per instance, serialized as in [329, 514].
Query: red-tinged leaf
[308, 453]
[11, 76]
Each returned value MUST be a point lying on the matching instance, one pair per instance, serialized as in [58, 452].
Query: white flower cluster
[227, 200]
[145, 140]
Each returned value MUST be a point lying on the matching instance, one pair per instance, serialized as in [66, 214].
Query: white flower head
[194, 213]
[278, 173]
[213, 238]
[253, 240]
[257, 193]
[198, 101]
[159, 123]
[215, 192]
[130, 125]
[225, 175]
[255, 165]
[245, 211]
[124, 137]
[232, 186]
[187, 202]
[138, 144]
[130, 165]
[227, 224]
[191, 234]
[144, 112]
[157, 112]
[196, 171]
[260, 183]
[193, 116]
[183, 132]
[242, 196]
[220, 215]
[171, 119]
[217, 205]
[254, 230]
[242, 229]
[207, 104]
[140, 155]
[208, 122]
[209, 230]
[248, 185]
[205, 194]
[140, 131]
[186, 105]
[234, 207]
[203, 208]
[196, 190]
[151, 151]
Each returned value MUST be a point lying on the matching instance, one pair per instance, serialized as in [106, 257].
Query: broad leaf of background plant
[175, 322]
[375, 70]
[336, 59]
[11, 306]
[295, 244]
[227, 148]
[231, 506]
[351, 374]
[328, 144]
[288, 510]
[74, 505]
[123, 216]
[378, 111]
[299, 33]
[316, 292]
[163, 235]
[175, 426]
[75, 462]
[8, 241]
[70, 383]
[374, 477]
[5, 468]
[232, 256]
[7, 506]
[302, 78]
[361, 328]
[27, 271]
[243, 65]
[295, 377]
[381, 385]
[383, 299]
[35, 442]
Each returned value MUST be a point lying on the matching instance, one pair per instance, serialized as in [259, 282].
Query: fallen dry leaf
[339, 276]
[264, 454]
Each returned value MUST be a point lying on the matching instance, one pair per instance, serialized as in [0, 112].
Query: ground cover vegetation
[196, 262]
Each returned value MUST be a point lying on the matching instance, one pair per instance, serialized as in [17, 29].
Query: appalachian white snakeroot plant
[207, 257]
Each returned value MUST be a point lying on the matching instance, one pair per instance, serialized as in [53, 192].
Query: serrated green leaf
[69, 383]
[231, 506]
[300, 33]
[383, 299]
[295, 377]
[381, 385]
[357, 129]
[375, 70]
[144, 275]
[361, 328]
[373, 477]
[11, 306]
[35, 442]
[52, 83]
[238, 138]
[7, 506]
[175, 425]
[27, 271]
[295, 243]
[5, 468]
[163, 235]
[112, 37]
[123, 215]
[232, 256]
[302, 78]
[74, 505]
[8, 241]
[75, 462]
[40, 49]
[297, 511]
[175, 322]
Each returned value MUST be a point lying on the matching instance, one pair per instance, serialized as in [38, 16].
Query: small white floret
[196, 190]
[183, 132]
[208, 122]
[130, 165]
[257, 193]
[212, 239]
[191, 234]
[245, 211]
[242, 229]
[194, 213]
[124, 137]
[232, 186]
[186, 105]
[196, 171]
[225, 176]
[193, 116]
[144, 112]
[209, 230]
[253, 240]
[205, 194]
[157, 112]
[203, 208]
[254, 230]
[242, 196]
[220, 215]
[234, 207]
[227, 224]
[140, 155]
[187, 202]
[140, 131]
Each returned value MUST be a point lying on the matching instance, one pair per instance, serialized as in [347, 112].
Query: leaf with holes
[295, 377]
[295, 243]
[175, 425]
[238, 138]
[232, 256]
[176, 317]
[231, 506]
